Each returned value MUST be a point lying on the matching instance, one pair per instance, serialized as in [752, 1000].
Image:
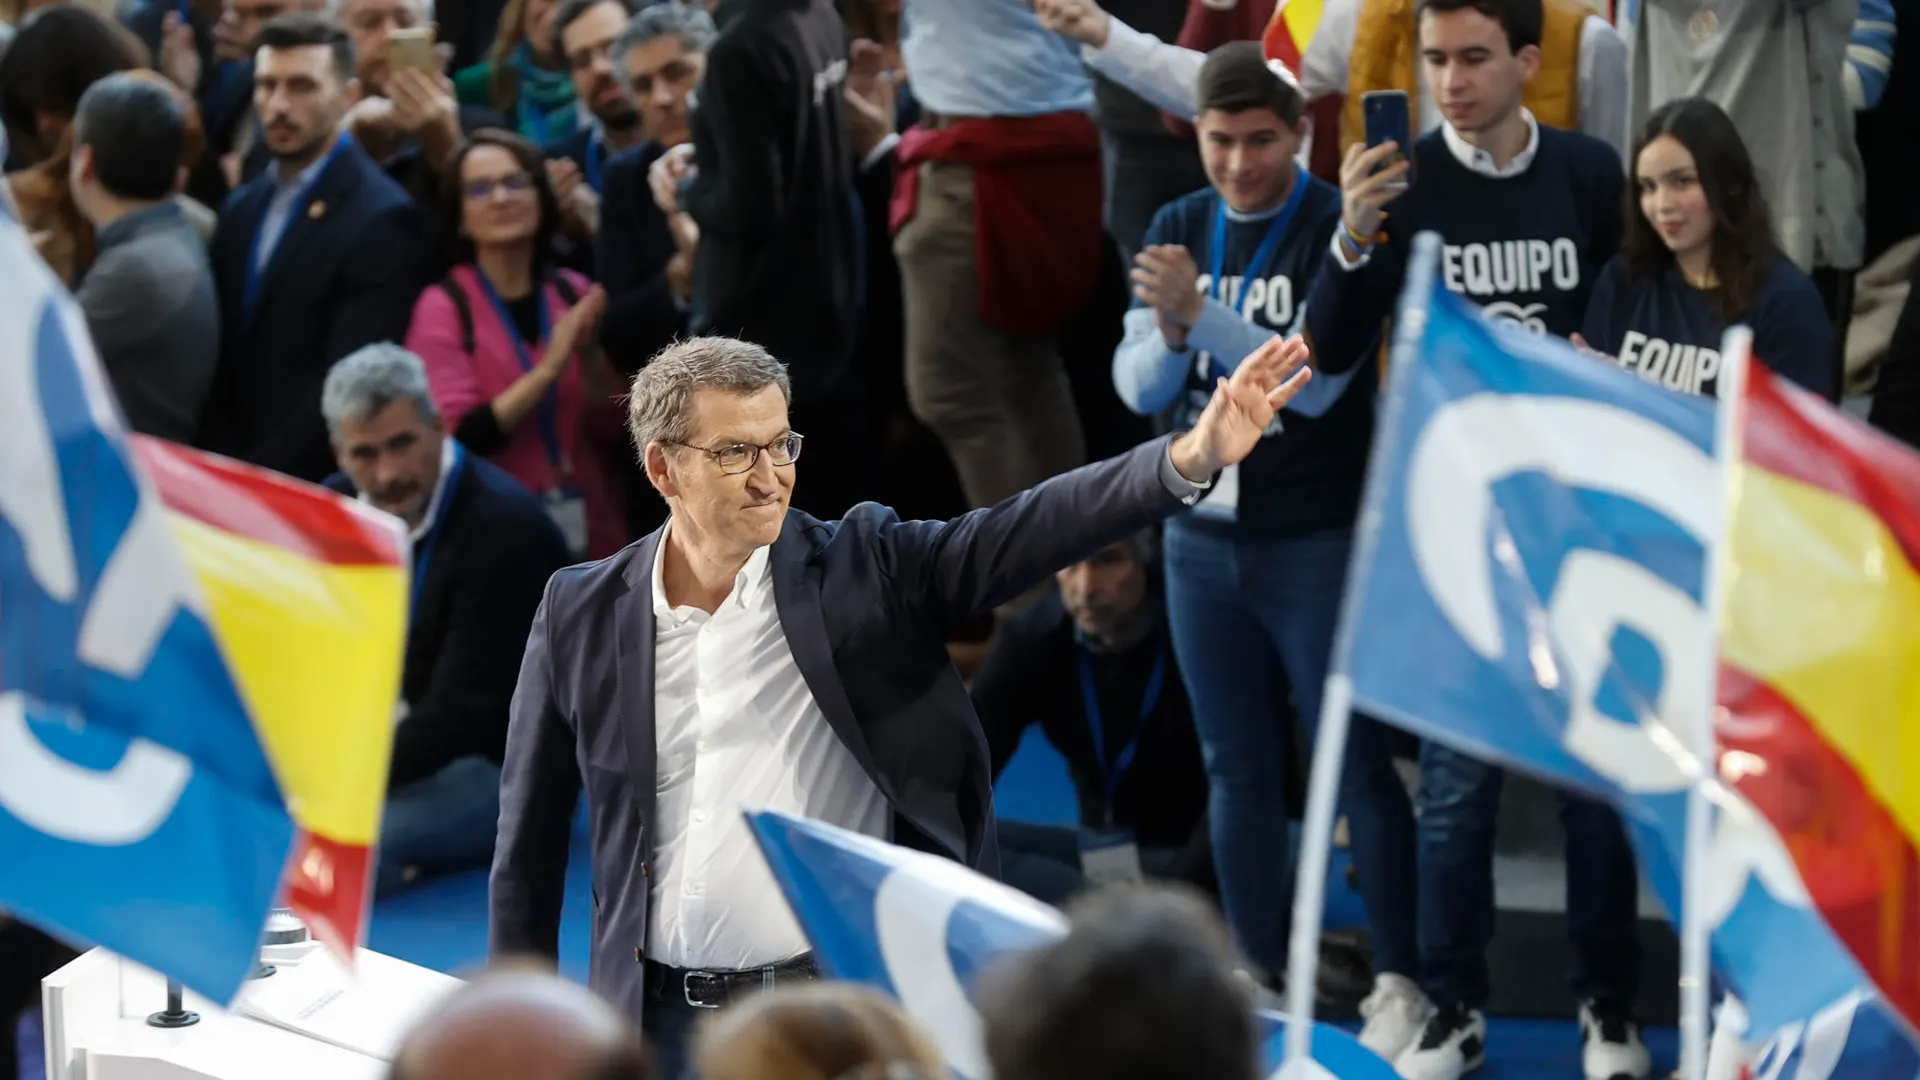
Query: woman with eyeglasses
[506, 339]
[1699, 255]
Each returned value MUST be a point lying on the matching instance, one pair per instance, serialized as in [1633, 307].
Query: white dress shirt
[736, 727]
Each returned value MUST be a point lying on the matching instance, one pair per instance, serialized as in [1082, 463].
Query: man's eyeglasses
[513, 183]
[736, 458]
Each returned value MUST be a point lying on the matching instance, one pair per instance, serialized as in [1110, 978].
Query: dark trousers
[838, 463]
[1459, 804]
[670, 1024]
[1145, 172]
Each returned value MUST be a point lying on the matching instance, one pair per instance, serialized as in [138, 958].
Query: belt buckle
[711, 985]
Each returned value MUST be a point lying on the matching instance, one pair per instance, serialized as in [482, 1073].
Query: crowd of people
[568, 285]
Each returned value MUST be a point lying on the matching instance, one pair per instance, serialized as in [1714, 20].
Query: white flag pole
[1336, 700]
[1736, 350]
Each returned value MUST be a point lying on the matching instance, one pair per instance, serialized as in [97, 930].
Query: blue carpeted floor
[442, 924]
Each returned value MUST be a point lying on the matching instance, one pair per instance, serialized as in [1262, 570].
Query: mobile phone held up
[412, 47]
[1389, 118]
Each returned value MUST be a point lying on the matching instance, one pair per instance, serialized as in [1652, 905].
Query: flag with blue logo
[137, 808]
[1854, 1037]
[1528, 588]
[921, 929]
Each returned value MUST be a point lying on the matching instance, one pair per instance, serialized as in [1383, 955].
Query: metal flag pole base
[175, 1015]
[261, 969]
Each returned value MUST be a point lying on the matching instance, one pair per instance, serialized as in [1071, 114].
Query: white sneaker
[1610, 1045]
[1453, 1043]
[1395, 1012]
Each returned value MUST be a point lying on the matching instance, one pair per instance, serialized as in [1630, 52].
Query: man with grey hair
[645, 254]
[483, 549]
[745, 655]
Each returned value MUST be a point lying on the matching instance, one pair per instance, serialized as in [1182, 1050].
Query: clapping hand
[665, 174]
[1166, 279]
[579, 203]
[179, 53]
[1242, 408]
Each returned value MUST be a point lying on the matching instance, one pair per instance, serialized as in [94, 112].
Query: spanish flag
[1820, 677]
[307, 593]
[1290, 29]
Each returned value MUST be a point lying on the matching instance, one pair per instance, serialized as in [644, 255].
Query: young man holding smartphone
[1528, 215]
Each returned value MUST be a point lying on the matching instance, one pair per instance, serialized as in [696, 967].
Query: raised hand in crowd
[665, 174]
[870, 96]
[424, 107]
[1242, 407]
[1083, 21]
[1365, 192]
[1166, 279]
[579, 204]
[576, 327]
[179, 56]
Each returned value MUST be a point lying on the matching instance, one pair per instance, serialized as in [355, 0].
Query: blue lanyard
[1263, 254]
[533, 124]
[1112, 774]
[256, 267]
[425, 555]
[591, 167]
[549, 408]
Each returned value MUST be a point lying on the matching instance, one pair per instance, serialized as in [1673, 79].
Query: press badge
[1110, 858]
[569, 511]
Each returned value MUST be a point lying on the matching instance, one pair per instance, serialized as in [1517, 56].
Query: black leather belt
[713, 989]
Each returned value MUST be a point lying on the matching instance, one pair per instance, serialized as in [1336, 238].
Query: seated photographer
[1093, 667]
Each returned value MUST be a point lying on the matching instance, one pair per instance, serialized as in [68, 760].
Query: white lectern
[311, 1019]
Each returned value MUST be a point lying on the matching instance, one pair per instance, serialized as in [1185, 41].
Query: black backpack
[458, 295]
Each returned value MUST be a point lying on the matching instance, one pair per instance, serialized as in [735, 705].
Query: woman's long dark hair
[1742, 237]
[453, 197]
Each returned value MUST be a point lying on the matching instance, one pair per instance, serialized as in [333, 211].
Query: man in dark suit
[644, 262]
[769, 178]
[317, 256]
[743, 655]
[483, 549]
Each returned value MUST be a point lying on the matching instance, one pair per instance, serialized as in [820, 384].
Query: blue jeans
[1236, 608]
[1459, 805]
[444, 823]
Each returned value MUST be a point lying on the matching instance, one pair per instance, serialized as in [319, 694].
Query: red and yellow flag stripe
[1290, 30]
[307, 592]
[1820, 642]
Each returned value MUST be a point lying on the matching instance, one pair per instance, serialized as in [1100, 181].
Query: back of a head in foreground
[816, 1031]
[1143, 987]
[522, 1023]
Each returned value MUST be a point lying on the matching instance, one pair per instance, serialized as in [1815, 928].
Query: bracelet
[1360, 243]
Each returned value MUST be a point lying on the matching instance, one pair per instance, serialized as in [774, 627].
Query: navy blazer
[635, 246]
[345, 274]
[868, 604]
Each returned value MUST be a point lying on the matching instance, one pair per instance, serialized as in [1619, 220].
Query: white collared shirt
[735, 726]
[1481, 162]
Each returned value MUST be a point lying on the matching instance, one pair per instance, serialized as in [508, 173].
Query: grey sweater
[154, 316]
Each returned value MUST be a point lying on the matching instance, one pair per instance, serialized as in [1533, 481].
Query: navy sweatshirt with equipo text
[1667, 332]
[1305, 476]
[1527, 248]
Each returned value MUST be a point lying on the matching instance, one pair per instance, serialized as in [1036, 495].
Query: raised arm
[1164, 74]
[960, 568]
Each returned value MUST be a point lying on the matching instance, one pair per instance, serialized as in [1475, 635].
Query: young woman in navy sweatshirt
[1698, 256]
